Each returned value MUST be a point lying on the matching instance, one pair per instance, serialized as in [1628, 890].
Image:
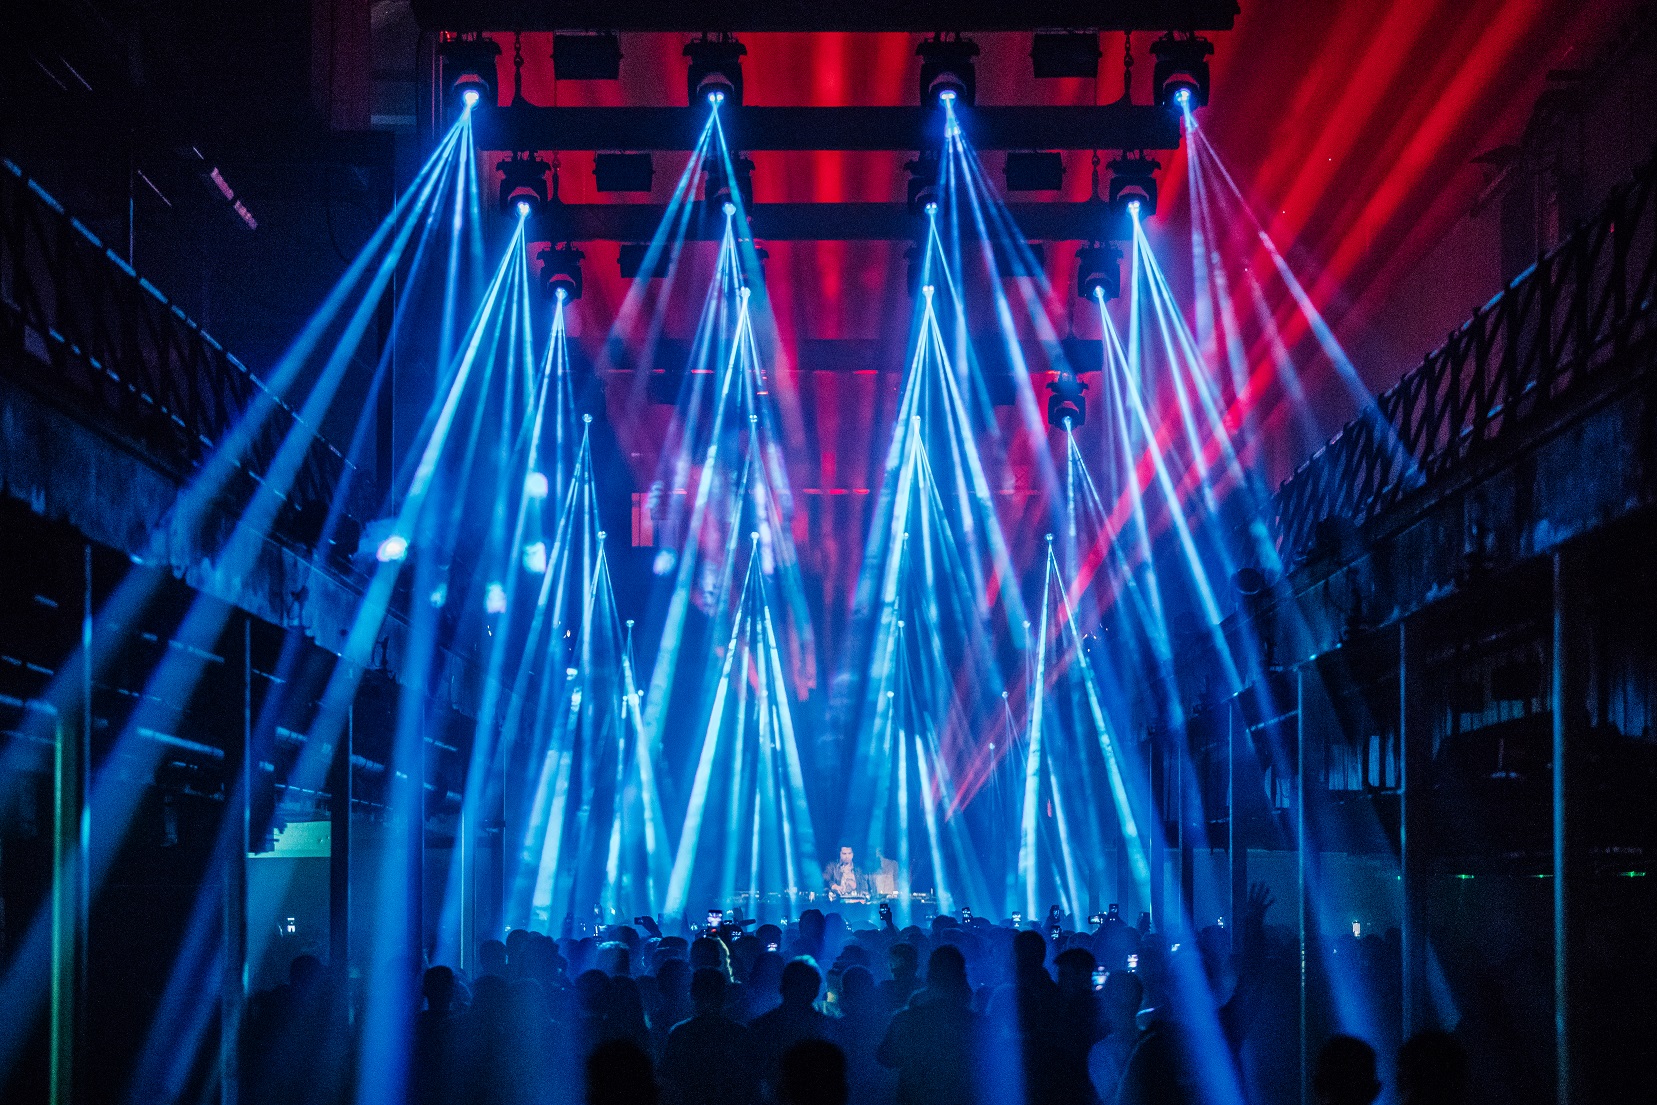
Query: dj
[843, 879]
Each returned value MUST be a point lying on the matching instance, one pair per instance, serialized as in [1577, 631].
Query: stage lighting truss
[523, 184]
[947, 70]
[623, 172]
[1099, 272]
[1067, 405]
[1181, 70]
[561, 271]
[1035, 171]
[590, 57]
[717, 193]
[1065, 54]
[1133, 181]
[715, 70]
[923, 182]
[469, 75]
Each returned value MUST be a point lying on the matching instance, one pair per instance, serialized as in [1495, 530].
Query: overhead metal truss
[1103, 127]
[918, 16]
[817, 222]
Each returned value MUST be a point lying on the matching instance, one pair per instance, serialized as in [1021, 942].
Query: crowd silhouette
[957, 1013]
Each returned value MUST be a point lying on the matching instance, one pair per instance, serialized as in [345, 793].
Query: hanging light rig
[1133, 184]
[469, 76]
[715, 75]
[1180, 76]
[523, 185]
[947, 71]
[560, 264]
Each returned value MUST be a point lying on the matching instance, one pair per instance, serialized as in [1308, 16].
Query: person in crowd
[708, 1059]
[492, 959]
[1345, 1073]
[1076, 1026]
[1118, 1016]
[934, 1042]
[903, 963]
[618, 1073]
[1025, 1014]
[796, 1019]
[671, 1000]
[762, 993]
[813, 1072]
[859, 1030]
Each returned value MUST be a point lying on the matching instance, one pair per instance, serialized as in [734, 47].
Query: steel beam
[816, 222]
[670, 358]
[920, 16]
[1100, 127]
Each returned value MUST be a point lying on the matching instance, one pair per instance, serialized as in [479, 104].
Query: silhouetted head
[857, 988]
[707, 991]
[801, 981]
[1029, 951]
[766, 973]
[854, 955]
[1075, 970]
[304, 972]
[813, 1073]
[619, 1073]
[516, 941]
[626, 1005]
[705, 951]
[768, 934]
[1345, 1072]
[1432, 1070]
[437, 985]
[492, 958]
[946, 973]
[811, 926]
[903, 961]
[673, 979]
[614, 959]
[592, 991]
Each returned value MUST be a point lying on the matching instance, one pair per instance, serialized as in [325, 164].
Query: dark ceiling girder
[919, 16]
[1103, 127]
[818, 222]
[671, 356]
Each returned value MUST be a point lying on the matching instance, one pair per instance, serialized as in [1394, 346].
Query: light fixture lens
[729, 208]
[535, 557]
[523, 209]
[535, 485]
[716, 97]
[931, 207]
[392, 549]
[469, 97]
[494, 599]
[947, 96]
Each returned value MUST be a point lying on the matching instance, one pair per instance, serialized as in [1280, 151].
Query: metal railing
[120, 353]
[1556, 326]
